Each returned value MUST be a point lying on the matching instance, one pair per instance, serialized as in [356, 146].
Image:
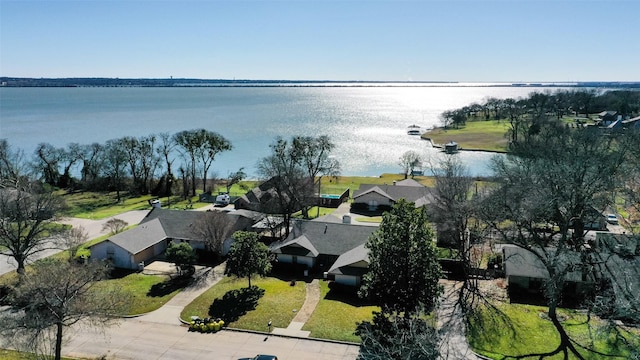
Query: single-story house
[606, 118]
[265, 197]
[373, 197]
[633, 123]
[350, 266]
[319, 245]
[524, 271]
[131, 248]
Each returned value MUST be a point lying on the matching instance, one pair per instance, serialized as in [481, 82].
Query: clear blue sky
[421, 40]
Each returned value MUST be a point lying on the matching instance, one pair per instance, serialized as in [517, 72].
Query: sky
[384, 40]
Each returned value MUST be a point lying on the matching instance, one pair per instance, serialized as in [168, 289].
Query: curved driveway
[92, 227]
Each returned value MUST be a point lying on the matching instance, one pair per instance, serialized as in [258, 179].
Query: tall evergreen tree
[403, 267]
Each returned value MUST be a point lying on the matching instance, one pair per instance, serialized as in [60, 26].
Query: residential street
[138, 339]
[92, 227]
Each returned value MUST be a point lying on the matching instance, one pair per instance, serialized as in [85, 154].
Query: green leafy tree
[403, 267]
[182, 255]
[248, 256]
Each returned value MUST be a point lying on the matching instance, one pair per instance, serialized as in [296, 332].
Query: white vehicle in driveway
[612, 219]
[223, 199]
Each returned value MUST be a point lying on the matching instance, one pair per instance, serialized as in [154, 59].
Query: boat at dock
[414, 130]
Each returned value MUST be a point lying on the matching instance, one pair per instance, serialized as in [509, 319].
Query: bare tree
[409, 161]
[543, 203]
[12, 165]
[200, 146]
[73, 239]
[27, 223]
[235, 178]
[114, 165]
[288, 180]
[114, 225]
[213, 227]
[56, 295]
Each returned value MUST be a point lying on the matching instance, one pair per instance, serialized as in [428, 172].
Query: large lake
[367, 124]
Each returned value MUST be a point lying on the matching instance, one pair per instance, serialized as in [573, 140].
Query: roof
[418, 194]
[177, 224]
[325, 238]
[353, 256]
[140, 237]
[522, 262]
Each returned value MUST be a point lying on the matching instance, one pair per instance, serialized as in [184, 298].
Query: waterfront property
[379, 198]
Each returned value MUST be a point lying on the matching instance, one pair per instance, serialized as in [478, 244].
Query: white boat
[414, 130]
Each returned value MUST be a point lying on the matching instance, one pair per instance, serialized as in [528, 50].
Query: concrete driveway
[92, 227]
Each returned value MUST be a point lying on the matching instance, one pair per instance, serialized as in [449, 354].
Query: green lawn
[275, 305]
[100, 205]
[479, 135]
[18, 355]
[148, 292]
[526, 330]
[337, 315]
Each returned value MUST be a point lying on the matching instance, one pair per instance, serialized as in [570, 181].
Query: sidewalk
[451, 325]
[169, 313]
[310, 302]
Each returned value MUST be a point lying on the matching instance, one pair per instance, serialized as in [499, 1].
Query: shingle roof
[177, 224]
[418, 194]
[325, 237]
[301, 246]
[140, 237]
[353, 256]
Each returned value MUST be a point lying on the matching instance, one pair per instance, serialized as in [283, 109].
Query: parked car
[261, 357]
[612, 219]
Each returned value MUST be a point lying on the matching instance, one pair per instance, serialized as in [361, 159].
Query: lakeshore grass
[478, 135]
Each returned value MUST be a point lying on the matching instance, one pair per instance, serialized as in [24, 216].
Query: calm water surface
[367, 124]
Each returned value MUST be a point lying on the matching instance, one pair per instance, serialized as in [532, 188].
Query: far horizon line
[171, 78]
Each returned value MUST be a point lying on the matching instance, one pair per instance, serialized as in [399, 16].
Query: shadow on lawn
[169, 286]
[346, 294]
[235, 303]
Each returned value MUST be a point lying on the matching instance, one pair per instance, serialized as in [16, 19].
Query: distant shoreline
[188, 83]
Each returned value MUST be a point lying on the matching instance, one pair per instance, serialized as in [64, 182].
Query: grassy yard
[18, 355]
[480, 135]
[337, 315]
[276, 304]
[526, 330]
[98, 205]
[148, 292]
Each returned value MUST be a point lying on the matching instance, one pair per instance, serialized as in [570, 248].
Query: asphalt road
[135, 339]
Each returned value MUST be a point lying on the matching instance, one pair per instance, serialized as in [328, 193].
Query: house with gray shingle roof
[371, 197]
[350, 266]
[159, 227]
[319, 245]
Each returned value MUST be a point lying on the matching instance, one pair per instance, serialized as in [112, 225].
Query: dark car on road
[261, 357]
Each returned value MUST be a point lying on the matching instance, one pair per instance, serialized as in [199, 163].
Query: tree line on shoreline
[140, 165]
[579, 103]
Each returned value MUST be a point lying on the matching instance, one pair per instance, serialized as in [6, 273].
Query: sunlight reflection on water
[367, 124]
